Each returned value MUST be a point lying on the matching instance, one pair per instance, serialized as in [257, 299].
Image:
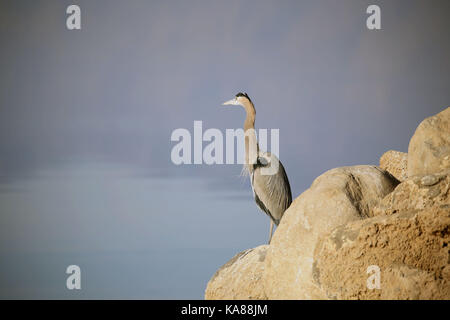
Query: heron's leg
[271, 230]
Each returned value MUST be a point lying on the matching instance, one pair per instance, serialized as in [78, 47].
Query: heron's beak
[230, 102]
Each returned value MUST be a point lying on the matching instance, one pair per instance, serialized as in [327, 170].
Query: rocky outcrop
[396, 163]
[429, 148]
[239, 278]
[352, 221]
[417, 193]
[336, 197]
[409, 248]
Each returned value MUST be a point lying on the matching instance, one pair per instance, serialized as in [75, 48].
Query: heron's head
[241, 99]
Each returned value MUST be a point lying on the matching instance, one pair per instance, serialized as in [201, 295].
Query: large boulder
[429, 148]
[409, 249]
[335, 198]
[396, 163]
[239, 278]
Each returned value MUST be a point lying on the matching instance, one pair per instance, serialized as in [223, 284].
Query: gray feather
[272, 192]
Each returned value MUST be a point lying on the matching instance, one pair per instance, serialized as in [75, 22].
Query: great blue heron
[271, 188]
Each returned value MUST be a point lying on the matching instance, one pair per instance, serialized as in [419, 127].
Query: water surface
[133, 235]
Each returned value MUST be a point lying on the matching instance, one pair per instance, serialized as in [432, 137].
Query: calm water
[133, 235]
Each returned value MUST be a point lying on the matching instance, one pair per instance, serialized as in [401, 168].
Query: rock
[417, 193]
[429, 148]
[335, 198]
[410, 248]
[239, 278]
[395, 162]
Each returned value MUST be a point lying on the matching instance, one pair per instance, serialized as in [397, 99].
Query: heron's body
[272, 192]
[271, 188]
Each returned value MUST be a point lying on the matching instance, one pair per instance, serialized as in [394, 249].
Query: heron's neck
[250, 119]
[251, 144]
[249, 122]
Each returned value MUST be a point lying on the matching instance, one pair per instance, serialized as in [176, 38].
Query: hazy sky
[86, 118]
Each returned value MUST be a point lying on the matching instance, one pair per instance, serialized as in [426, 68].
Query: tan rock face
[410, 248]
[239, 278]
[335, 198]
[417, 193]
[396, 163]
[429, 148]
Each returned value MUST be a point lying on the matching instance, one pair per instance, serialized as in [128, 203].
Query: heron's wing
[272, 192]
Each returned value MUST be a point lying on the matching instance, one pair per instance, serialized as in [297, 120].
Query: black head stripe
[240, 94]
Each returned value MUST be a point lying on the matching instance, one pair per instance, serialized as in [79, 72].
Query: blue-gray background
[86, 118]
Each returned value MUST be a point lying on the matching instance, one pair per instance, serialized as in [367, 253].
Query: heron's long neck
[249, 121]
[251, 144]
